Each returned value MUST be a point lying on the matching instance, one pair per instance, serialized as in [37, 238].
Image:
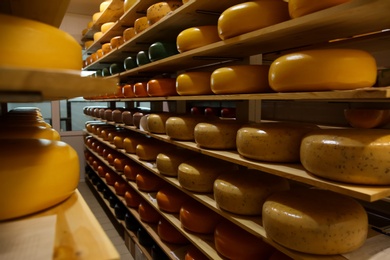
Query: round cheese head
[298, 8]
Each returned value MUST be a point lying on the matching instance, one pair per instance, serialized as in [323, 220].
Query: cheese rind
[157, 11]
[196, 37]
[197, 218]
[156, 122]
[315, 221]
[367, 118]
[348, 155]
[161, 87]
[298, 8]
[181, 127]
[194, 83]
[168, 162]
[219, 134]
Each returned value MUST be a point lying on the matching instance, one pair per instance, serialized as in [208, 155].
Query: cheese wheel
[194, 83]
[127, 92]
[141, 24]
[111, 177]
[315, 221]
[148, 182]
[88, 44]
[240, 79]
[161, 87]
[116, 42]
[157, 11]
[99, 53]
[298, 8]
[348, 155]
[130, 143]
[117, 118]
[128, 34]
[96, 16]
[101, 170]
[199, 173]
[168, 162]
[131, 170]
[252, 16]
[120, 163]
[35, 175]
[244, 192]
[220, 134]
[156, 122]
[106, 48]
[139, 89]
[195, 37]
[28, 132]
[197, 218]
[127, 116]
[106, 26]
[143, 123]
[161, 50]
[148, 151]
[168, 233]
[341, 69]
[272, 141]
[132, 198]
[170, 199]
[233, 242]
[130, 63]
[367, 118]
[28, 43]
[147, 213]
[142, 58]
[97, 36]
[128, 4]
[194, 253]
[137, 118]
[182, 127]
[103, 5]
[120, 187]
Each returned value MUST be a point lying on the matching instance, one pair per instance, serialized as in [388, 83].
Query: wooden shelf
[36, 85]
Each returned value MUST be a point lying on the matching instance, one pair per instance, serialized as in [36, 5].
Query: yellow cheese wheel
[170, 199]
[148, 151]
[168, 162]
[233, 242]
[88, 44]
[321, 70]
[28, 43]
[29, 132]
[130, 143]
[198, 218]
[141, 24]
[199, 173]
[106, 26]
[128, 33]
[106, 48]
[155, 12]
[128, 4]
[272, 141]
[348, 155]
[156, 122]
[35, 175]
[252, 16]
[103, 5]
[116, 42]
[240, 79]
[219, 134]
[367, 118]
[97, 36]
[298, 8]
[194, 83]
[244, 192]
[181, 127]
[315, 221]
[196, 37]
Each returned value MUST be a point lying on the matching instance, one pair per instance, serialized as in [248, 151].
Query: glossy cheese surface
[28, 43]
[128, 4]
[181, 127]
[170, 199]
[147, 181]
[244, 192]
[195, 37]
[298, 8]
[157, 11]
[197, 218]
[35, 175]
[348, 155]
[341, 69]
[161, 87]
[29, 132]
[130, 144]
[147, 213]
[128, 33]
[252, 16]
[194, 83]
[240, 79]
[140, 90]
[132, 198]
[272, 141]
[168, 162]
[148, 151]
[296, 220]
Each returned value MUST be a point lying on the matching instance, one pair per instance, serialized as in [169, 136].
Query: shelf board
[36, 85]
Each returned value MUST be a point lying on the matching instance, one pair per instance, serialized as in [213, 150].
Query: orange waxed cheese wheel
[197, 218]
[140, 89]
[161, 87]
[147, 213]
[131, 171]
[194, 253]
[233, 242]
[168, 233]
[367, 118]
[132, 198]
[298, 8]
[147, 181]
[170, 199]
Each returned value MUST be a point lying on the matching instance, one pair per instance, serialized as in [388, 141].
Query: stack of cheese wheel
[148, 182]
[194, 83]
[181, 127]
[240, 79]
[147, 213]
[170, 199]
[196, 37]
[348, 155]
[168, 162]
[272, 141]
[341, 69]
[197, 218]
[298, 8]
[149, 149]
[218, 134]
[161, 87]
[198, 174]
[233, 242]
[168, 233]
[252, 16]
[315, 221]
[157, 11]
[244, 192]
[367, 118]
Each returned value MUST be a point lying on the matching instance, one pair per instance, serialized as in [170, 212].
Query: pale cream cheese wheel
[244, 192]
[315, 221]
[359, 156]
[168, 162]
[272, 141]
[181, 127]
[156, 122]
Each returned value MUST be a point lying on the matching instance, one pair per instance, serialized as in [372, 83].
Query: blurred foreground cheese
[358, 156]
[28, 43]
[35, 174]
[321, 70]
[315, 221]
[298, 8]
[30, 132]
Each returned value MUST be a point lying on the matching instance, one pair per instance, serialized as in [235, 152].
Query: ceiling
[84, 7]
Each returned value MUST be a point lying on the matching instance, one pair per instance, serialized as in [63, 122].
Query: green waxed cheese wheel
[142, 58]
[106, 72]
[116, 68]
[129, 63]
[161, 50]
[98, 73]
